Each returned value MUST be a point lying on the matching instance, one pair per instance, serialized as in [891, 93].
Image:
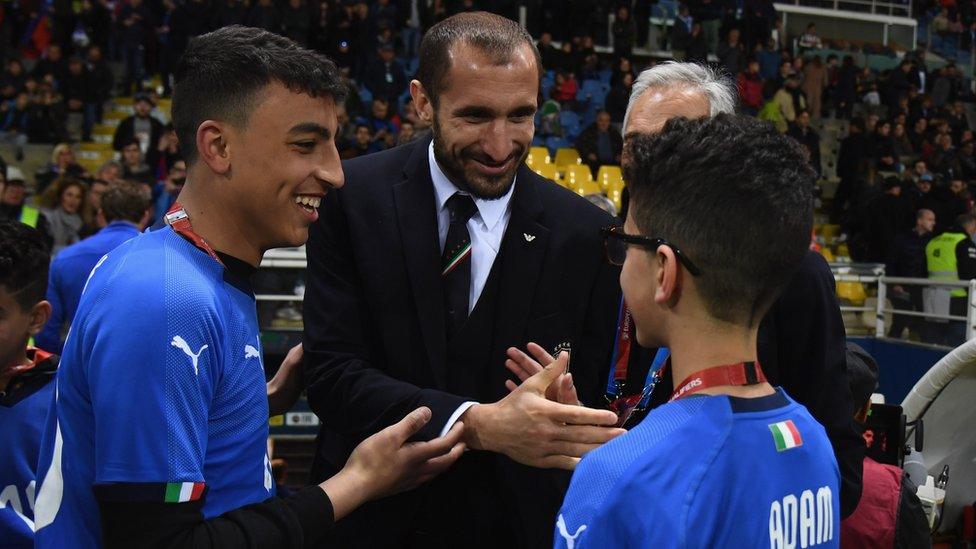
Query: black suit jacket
[375, 345]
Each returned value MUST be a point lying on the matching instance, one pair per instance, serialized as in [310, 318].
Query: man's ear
[40, 313]
[422, 101]
[213, 146]
[668, 277]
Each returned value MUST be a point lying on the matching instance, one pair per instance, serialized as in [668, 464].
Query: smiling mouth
[309, 203]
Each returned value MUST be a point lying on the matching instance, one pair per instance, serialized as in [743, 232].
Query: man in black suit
[435, 259]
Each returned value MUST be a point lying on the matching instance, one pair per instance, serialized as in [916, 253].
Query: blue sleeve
[152, 363]
[49, 338]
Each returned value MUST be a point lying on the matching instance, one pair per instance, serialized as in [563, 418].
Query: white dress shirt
[486, 227]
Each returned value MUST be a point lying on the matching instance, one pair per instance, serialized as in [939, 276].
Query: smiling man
[160, 425]
[435, 259]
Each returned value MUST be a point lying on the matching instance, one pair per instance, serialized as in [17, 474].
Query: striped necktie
[456, 262]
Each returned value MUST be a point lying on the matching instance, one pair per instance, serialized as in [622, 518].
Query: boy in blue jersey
[720, 217]
[158, 435]
[25, 377]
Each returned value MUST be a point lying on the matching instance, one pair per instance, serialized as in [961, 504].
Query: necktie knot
[461, 208]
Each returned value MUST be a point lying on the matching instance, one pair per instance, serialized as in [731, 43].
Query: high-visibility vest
[940, 254]
[29, 216]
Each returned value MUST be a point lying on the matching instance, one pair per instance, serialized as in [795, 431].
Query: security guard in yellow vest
[952, 256]
[13, 207]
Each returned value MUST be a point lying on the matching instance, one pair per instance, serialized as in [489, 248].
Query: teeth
[309, 201]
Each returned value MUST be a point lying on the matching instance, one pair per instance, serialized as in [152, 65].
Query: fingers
[524, 362]
[439, 464]
[567, 391]
[587, 434]
[573, 449]
[539, 353]
[510, 385]
[519, 371]
[540, 381]
[423, 451]
[559, 462]
[410, 424]
[579, 415]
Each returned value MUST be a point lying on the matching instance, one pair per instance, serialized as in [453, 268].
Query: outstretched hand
[562, 390]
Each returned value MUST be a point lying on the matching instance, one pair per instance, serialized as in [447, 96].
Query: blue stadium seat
[365, 95]
[605, 76]
[570, 123]
[554, 143]
[593, 92]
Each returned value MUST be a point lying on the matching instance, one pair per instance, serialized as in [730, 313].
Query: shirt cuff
[454, 417]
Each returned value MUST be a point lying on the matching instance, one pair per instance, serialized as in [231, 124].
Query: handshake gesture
[540, 422]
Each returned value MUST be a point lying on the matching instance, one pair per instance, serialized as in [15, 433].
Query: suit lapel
[416, 215]
[524, 248]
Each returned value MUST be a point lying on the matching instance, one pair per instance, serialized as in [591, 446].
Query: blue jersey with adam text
[706, 472]
[160, 392]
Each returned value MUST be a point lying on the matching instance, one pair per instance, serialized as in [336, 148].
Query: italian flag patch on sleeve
[785, 435]
[182, 492]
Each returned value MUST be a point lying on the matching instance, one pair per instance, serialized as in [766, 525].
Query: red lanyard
[738, 375]
[178, 219]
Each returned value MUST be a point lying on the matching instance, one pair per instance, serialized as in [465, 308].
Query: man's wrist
[347, 490]
[476, 420]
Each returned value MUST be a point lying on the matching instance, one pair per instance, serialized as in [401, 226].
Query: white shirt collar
[491, 211]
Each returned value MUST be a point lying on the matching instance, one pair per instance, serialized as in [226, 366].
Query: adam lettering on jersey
[807, 521]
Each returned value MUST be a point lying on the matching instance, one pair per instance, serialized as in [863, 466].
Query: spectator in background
[624, 33]
[958, 122]
[967, 162]
[886, 158]
[61, 204]
[79, 95]
[899, 84]
[681, 33]
[415, 18]
[709, 13]
[814, 83]
[407, 133]
[383, 127]
[944, 160]
[15, 124]
[889, 513]
[784, 100]
[903, 145]
[136, 26]
[363, 144]
[89, 210]
[731, 54]
[918, 134]
[888, 215]
[751, 89]
[808, 137]
[697, 51]
[385, 78]
[52, 67]
[102, 81]
[548, 52]
[63, 164]
[13, 204]
[13, 78]
[906, 258]
[600, 143]
[810, 40]
[134, 167]
[123, 212]
[850, 168]
[169, 190]
[617, 99]
[46, 117]
[565, 89]
[141, 127]
[110, 172]
[168, 152]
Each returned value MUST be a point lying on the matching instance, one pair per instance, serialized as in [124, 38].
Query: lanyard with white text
[625, 406]
[736, 375]
[178, 219]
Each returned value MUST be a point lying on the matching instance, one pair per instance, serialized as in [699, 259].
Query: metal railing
[897, 9]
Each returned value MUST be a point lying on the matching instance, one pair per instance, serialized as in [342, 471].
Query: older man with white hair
[801, 340]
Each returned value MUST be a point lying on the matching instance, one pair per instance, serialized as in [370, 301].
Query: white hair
[716, 89]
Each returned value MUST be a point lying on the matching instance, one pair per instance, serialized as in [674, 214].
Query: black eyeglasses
[615, 242]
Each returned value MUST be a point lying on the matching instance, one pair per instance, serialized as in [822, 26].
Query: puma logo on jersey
[182, 345]
[570, 539]
[251, 352]
[802, 522]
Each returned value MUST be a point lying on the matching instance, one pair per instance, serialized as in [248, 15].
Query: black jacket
[126, 133]
[375, 344]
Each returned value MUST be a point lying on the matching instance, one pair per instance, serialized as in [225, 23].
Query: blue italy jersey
[708, 471]
[23, 409]
[160, 395]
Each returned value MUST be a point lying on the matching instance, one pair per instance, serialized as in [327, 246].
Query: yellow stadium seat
[828, 232]
[607, 175]
[584, 187]
[123, 100]
[548, 171]
[827, 253]
[576, 174]
[853, 292]
[537, 157]
[567, 157]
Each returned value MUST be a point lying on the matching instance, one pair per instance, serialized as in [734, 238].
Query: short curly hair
[24, 261]
[736, 197]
